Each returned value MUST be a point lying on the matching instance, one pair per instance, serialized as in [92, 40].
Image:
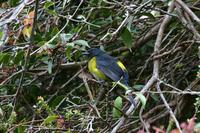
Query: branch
[188, 10]
[155, 75]
[168, 107]
[15, 12]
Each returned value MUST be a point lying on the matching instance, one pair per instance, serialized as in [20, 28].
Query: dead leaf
[158, 130]
[28, 25]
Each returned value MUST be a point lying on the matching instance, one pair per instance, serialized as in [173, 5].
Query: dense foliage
[45, 83]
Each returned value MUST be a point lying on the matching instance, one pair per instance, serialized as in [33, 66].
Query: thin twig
[188, 10]
[168, 107]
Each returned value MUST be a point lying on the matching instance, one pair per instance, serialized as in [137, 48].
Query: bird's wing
[108, 65]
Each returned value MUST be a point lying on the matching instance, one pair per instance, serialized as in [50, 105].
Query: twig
[184, 17]
[167, 18]
[188, 10]
[4, 38]
[168, 107]
[145, 125]
[72, 64]
[118, 29]
[15, 12]
[10, 77]
[45, 46]
[24, 68]
[156, 62]
[122, 24]
[91, 97]
[132, 107]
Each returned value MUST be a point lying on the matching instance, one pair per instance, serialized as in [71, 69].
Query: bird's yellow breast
[92, 66]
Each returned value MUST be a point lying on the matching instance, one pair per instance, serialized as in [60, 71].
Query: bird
[105, 67]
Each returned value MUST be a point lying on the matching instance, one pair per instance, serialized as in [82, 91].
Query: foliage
[44, 82]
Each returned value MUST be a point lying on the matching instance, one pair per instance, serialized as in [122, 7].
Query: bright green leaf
[52, 12]
[71, 44]
[21, 129]
[142, 98]
[127, 37]
[122, 85]
[1, 34]
[117, 107]
[66, 37]
[68, 52]
[50, 119]
[48, 4]
[82, 43]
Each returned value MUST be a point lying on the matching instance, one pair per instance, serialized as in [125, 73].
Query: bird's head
[93, 52]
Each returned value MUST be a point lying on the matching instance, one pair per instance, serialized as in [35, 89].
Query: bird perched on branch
[103, 66]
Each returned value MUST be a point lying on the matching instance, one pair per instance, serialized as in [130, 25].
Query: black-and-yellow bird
[103, 66]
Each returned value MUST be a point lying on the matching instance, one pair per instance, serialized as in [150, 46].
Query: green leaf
[130, 21]
[77, 55]
[51, 46]
[122, 85]
[1, 112]
[142, 98]
[197, 127]
[80, 17]
[21, 129]
[147, 14]
[18, 57]
[154, 96]
[52, 12]
[12, 117]
[127, 37]
[13, 2]
[48, 4]
[71, 44]
[50, 119]
[50, 66]
[52, 33]
[68, 53]
[66, 37]
[82, 43]
[4, 58]
[1, 34]
[138, 87]
[56, 101]
[117, 107]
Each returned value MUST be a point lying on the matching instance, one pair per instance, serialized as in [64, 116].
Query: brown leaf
[158, 130]
[175, 131]
[28, 25]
